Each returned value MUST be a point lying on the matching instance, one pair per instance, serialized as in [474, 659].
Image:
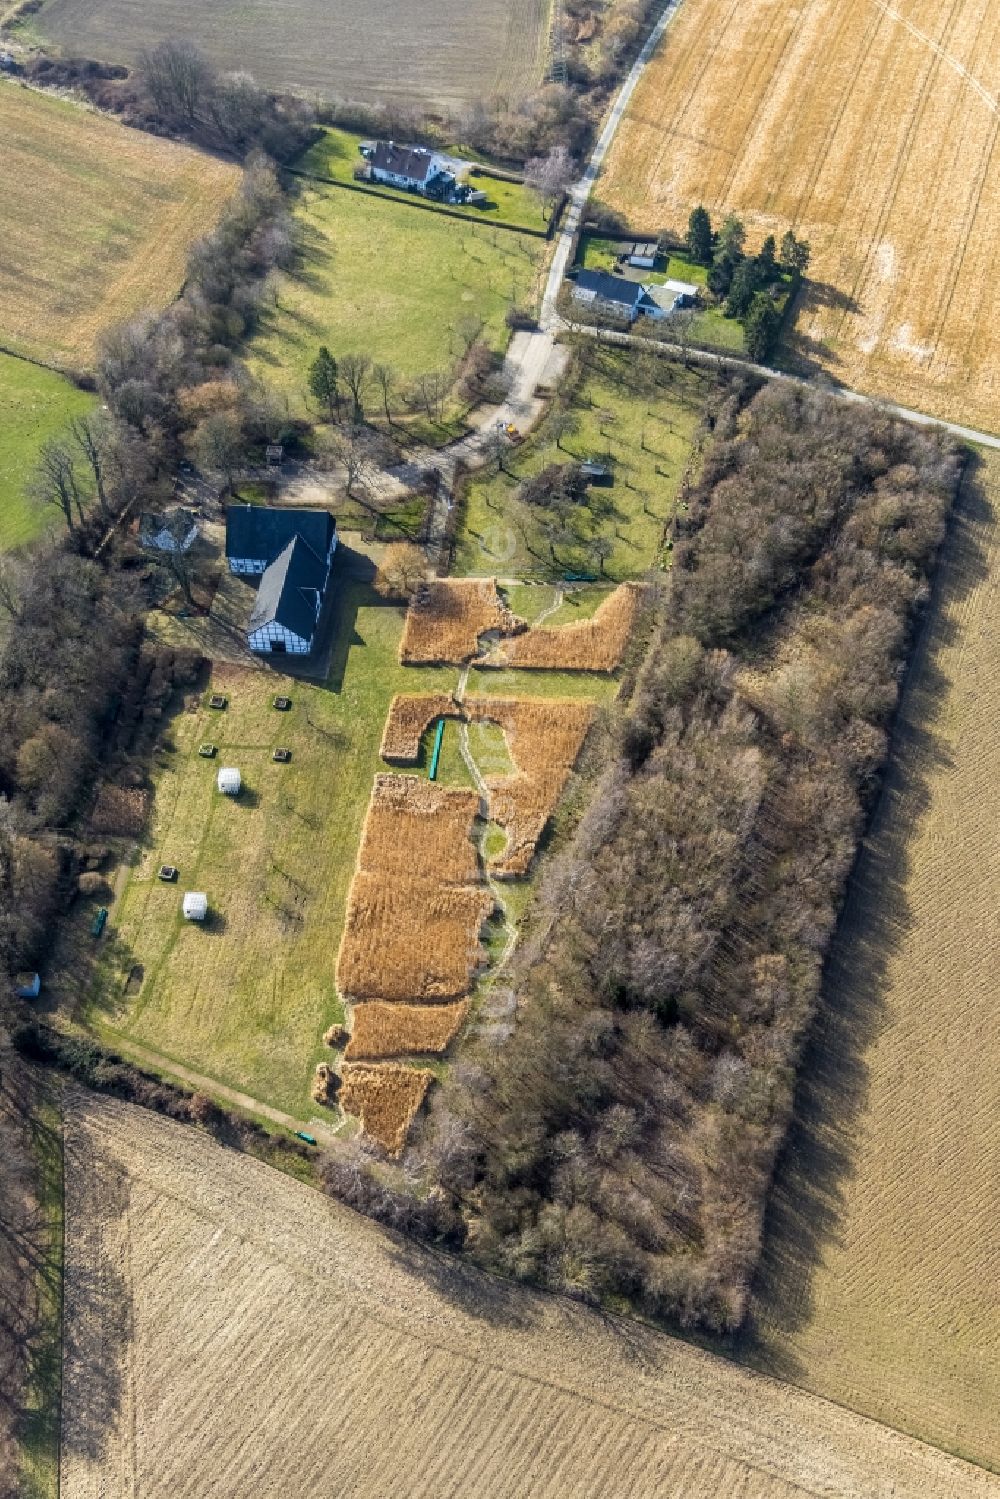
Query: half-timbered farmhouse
[292, 553]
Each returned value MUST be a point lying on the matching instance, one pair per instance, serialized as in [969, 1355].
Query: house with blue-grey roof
[614, 296]
[291, 551]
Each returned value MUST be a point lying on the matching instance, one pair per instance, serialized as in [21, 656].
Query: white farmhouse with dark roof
[292, 553]
[412, 167]
[614, 296]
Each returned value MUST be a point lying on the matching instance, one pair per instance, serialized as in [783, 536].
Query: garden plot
[415, 826]
[544, 737]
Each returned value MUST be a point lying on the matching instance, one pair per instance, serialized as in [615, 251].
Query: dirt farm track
[232, 1333]
[871, 128]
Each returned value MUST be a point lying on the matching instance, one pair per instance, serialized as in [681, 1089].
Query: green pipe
[436, 755]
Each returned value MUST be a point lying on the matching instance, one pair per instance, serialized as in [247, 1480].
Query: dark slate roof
[404, 161]
[611, 288]
[260, 532]
[286, 595]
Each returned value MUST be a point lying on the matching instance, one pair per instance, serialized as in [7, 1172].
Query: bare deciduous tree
[550, 176]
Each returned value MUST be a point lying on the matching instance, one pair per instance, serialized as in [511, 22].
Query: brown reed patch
[385, 1098]
[409, 715]
[411, 939]
[446, 619]
[384, 1030]
[544, 736]
[418, 827]
[596, 644]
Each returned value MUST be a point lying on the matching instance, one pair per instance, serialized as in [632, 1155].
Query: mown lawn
[635, 412]
[336, 155]
[35, 404]
[391, 281]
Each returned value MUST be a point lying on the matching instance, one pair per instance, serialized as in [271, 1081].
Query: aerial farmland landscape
[499, 539]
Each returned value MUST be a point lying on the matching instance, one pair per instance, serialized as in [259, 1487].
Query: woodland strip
[620, 1144]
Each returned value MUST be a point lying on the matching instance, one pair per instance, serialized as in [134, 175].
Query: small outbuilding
[195, 905]
[642, 253]
[229, 780]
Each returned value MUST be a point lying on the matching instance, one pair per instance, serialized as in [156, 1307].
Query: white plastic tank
[229, 780]
[195, 905]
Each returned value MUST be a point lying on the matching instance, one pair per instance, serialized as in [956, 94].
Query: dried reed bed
[385, 1098]
[411, 939]
[522, 806]
[409, 715]
[447, 617]
[544, 736]
[384, 1030]
[542, 732]
[596, 644]
[417, 827]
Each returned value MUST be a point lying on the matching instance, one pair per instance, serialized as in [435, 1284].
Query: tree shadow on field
[485, 1297]
[97, 1321]
[814, 1171]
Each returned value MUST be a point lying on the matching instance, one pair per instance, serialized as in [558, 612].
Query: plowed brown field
[882, 1284]
[442, 51]
[870, 128]
[233, 1333]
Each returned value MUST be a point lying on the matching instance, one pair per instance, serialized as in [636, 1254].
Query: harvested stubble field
[385, 1097]
[409, 715]
[595, 644]
[382, 1030]
[182, 1255]
[447, 619]
[871, 130]
[418, 827]
[95, 222]
[415, 939]
[355, 51]
[881, 1285]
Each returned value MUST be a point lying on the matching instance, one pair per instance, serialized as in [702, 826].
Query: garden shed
[195, 906]
[229, 780]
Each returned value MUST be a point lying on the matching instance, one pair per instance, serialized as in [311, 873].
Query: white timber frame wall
[264, 641]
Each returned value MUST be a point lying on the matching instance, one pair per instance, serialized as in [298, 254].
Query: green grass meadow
[390, 281]
[639, 416]
[35, 404]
